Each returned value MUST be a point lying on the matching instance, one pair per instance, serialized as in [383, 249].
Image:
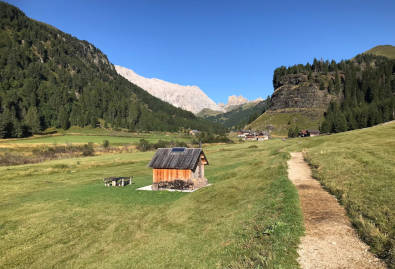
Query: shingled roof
[176, 158]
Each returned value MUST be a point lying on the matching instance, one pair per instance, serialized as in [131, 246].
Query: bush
[210, 138]
[87, 149]
[293, 132]
[180, 144]
[161, 144]
[144, 145]
[253, 147]
[106, 144]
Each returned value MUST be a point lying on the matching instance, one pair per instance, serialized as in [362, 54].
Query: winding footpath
[329, 240]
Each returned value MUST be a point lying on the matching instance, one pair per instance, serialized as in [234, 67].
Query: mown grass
[59, 214]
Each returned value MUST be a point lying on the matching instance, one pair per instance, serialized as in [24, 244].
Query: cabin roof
[176, 158]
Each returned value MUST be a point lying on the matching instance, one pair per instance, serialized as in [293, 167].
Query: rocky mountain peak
[236, 100]
[190, 98]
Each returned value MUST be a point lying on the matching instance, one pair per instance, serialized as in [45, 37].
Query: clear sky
[224, 47]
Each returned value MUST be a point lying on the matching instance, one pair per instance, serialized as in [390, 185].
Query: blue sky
[224, 47]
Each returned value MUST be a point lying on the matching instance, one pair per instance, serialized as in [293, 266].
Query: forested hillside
[51, 79]
[342, 96]
[238, 117]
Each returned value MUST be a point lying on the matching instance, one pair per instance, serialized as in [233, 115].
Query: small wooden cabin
[178, 168]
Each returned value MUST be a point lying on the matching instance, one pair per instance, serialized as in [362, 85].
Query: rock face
[295, 91]
[190, 98]
[296, 101]
[235, 102]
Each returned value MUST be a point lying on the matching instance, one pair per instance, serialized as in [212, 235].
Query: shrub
[210, 138]
[161, 144]
[60, 166]
[180, 144]
[106, 144]
[293, 132]
[144, 145]
[87, 149]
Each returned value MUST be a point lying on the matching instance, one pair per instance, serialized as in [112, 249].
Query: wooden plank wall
[170, 174]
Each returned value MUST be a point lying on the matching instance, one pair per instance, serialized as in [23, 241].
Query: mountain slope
[383, 50]
[51, 79]
[239, 115]
[190, 98]
[332, 96]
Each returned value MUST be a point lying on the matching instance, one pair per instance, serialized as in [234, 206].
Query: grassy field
[59, 214]
[77, 135]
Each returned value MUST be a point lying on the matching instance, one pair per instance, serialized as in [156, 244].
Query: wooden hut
[178, 168]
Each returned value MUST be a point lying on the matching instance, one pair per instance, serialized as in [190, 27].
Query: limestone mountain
[235, 102]
[190, 98]
[52, 79]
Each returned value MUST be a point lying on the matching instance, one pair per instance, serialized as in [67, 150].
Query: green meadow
[85, 135]
[59, 214]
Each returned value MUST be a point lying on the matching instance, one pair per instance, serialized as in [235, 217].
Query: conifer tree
[32, 120]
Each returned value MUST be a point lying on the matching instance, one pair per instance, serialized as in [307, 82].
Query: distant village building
[243, 133]
[314, 132]
[194, 132]
[253, 136]
[307, 133]
[178, 168]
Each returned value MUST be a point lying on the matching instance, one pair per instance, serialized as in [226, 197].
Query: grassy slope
[238, 115]
[58, 213]
[282, 121]
[359, 168]
[206, 112]
[385, 50]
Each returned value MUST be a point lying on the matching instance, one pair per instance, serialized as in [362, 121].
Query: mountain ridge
[187, 97]
[52, 79]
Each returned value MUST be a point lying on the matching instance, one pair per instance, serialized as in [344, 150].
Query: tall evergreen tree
[32, 120]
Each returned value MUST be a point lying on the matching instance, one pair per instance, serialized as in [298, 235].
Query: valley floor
[59, 214]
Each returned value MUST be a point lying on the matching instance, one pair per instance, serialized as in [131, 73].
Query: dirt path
[329, 241]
